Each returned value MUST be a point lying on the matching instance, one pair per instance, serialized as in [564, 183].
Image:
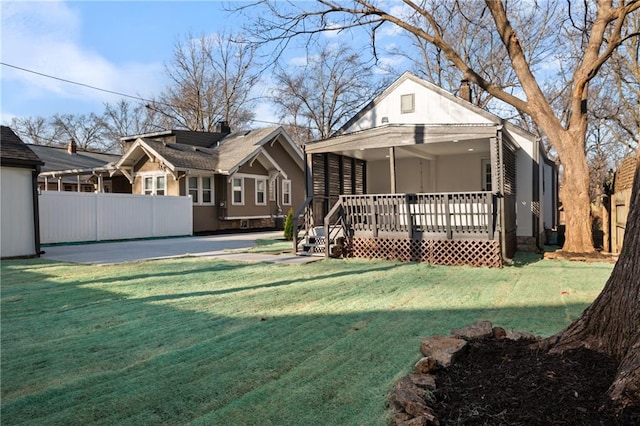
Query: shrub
[288, 226]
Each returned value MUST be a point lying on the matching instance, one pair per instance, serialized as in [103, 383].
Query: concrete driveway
[136, 250]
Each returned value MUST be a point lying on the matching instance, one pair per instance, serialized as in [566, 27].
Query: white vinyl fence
[75, 216]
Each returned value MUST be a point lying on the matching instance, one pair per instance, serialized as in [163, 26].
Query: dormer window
[407, 103]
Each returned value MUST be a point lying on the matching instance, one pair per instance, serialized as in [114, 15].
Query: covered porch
[444, 194]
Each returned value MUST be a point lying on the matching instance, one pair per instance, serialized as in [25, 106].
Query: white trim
[247, 175]
[233, 202]
[290, 193]
[248, 217]
[264, 192]
[271, 189]
[412, 98]
[154, 175]
[199, 189]
[276, 165]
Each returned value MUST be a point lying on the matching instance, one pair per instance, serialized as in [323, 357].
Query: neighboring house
[19, 168]
[70, 169]
[239, 180]
[619, 203]
[420, 174]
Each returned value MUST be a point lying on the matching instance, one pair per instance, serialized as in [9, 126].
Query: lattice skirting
[437, 252]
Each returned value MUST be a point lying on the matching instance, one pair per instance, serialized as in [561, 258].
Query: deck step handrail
[334, 227]
[305, 213]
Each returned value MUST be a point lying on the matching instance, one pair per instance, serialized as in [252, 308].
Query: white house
[461, 173]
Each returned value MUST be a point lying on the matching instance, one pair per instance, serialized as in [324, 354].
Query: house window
[193, 188]
[154, 185]
[200, 189]
[407, 103]
[206, 190]
[160, 185]
[286, 192]
[237, 188]
[486, 175]
[261, 192]
[148, 185]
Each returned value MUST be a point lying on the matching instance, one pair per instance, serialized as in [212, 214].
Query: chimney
[465, 90]
[223, 127]
[72, 148]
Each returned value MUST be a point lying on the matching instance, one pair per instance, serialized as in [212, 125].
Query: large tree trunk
[612, 323]
[577, 205]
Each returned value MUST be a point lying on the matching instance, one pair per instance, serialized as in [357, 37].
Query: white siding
[460, 173]
[17, 232]
[75, 217]
[431, 107]
[524, 194]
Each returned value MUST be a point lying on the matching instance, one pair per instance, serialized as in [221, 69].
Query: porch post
[78, 182]
[392, 169]
[308, 181]
[499, 157]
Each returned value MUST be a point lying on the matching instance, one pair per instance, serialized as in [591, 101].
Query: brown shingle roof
[238, 146]
[15, 152]
[185, 156]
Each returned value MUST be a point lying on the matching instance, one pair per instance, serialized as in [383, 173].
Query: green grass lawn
[204, 341]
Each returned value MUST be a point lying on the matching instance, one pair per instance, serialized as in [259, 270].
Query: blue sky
[116, 45]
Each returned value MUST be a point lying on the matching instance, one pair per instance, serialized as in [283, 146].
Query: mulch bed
[504, 382]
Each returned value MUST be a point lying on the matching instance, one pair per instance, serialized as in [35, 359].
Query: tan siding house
[240, 180]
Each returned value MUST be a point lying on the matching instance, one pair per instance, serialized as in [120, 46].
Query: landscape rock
[406, 384]
[424, 381]
[425, 365]
[479, 330]
[442, 349]
[419, 421]
[400, 417]
[499, 332]
[413, 405]
[517, 335]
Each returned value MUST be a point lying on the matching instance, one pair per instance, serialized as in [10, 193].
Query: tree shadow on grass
[525, 258]
[283, 283]
[132, 362]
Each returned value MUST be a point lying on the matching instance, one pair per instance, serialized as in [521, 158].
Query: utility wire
[75, 82]
[147, 101]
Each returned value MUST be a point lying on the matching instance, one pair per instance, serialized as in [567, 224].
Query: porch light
[456, 141]
[470, 150]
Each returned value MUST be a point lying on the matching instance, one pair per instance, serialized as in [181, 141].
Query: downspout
[36, 210]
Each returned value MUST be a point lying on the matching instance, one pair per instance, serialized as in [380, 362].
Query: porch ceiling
[427, 151]
[409, 141]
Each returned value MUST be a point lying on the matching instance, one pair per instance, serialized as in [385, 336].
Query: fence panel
[75, 217]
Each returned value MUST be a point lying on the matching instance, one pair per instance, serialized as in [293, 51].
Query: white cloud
[46, 37]
[333, 32]
[387, 63]
[298, 61]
